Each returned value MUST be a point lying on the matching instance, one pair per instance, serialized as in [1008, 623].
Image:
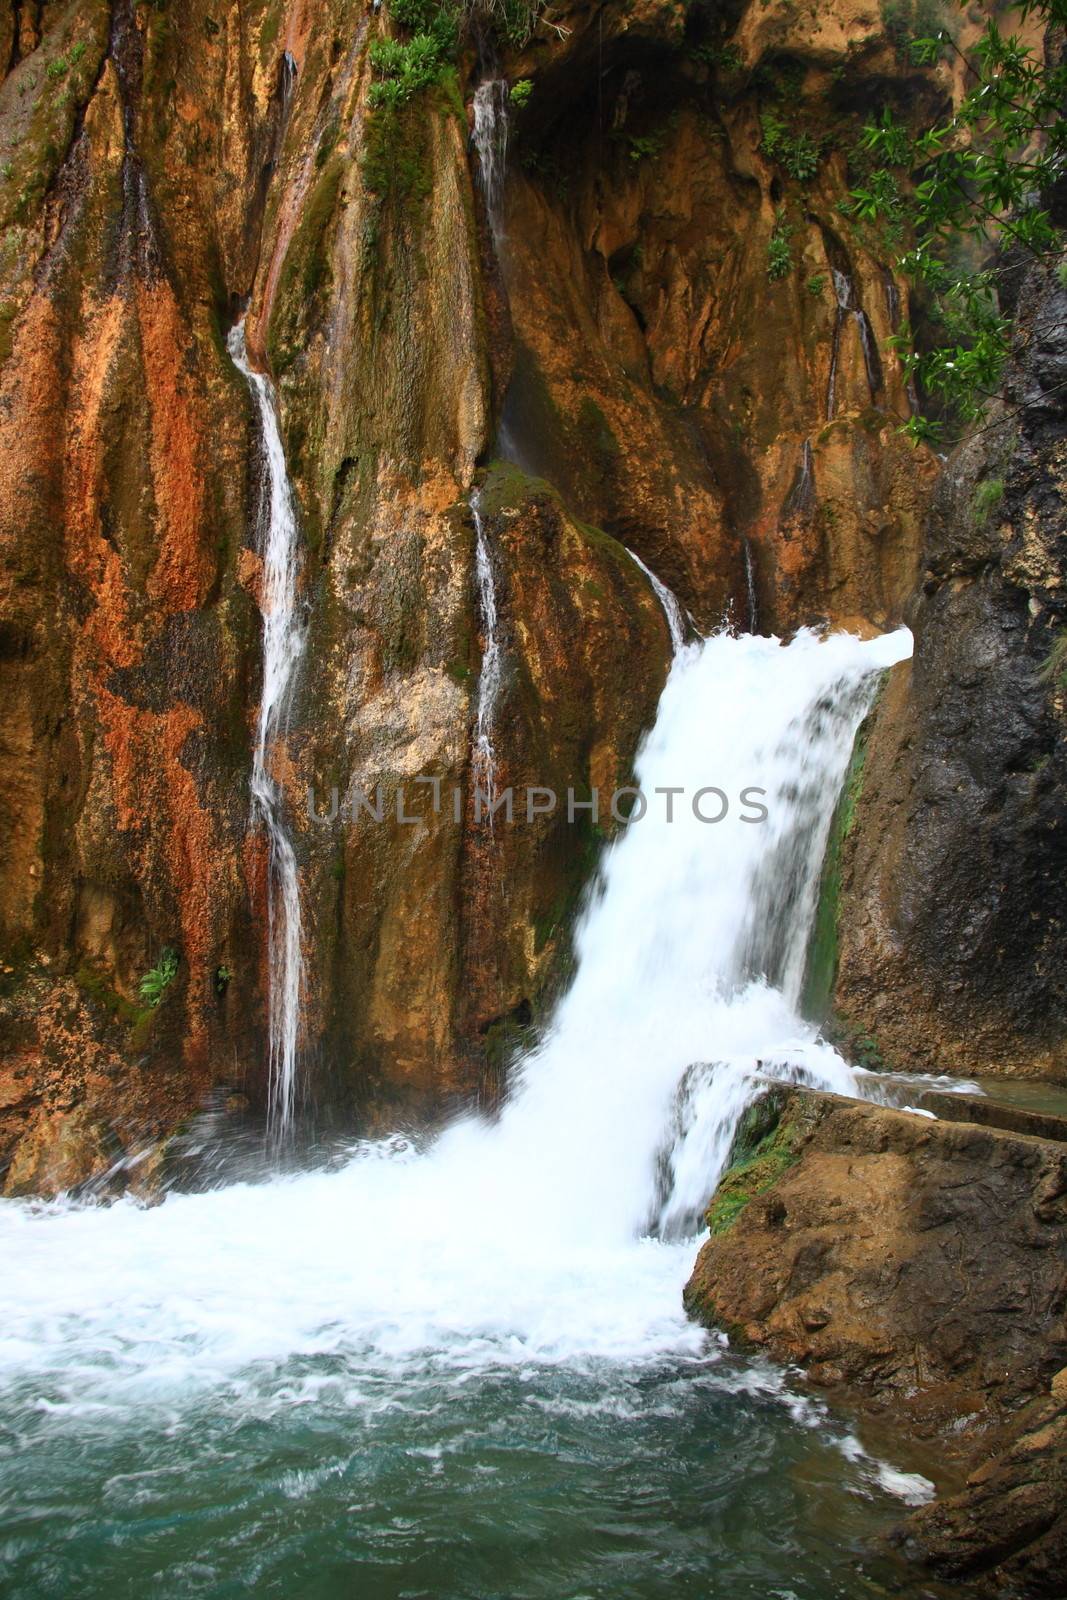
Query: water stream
[283, 645]
[848, 309]
[490, 138]
[484, 762]
[462, 1369]
[669, 602]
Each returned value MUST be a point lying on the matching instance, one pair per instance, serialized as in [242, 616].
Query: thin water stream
[283, 646]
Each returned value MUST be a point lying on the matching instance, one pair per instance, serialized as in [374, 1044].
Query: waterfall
[801, 497]
[750, 586]
[847, 307]
[491, 143]
[484, 763]
[668, 600]
[552, 1234]
[283, 645]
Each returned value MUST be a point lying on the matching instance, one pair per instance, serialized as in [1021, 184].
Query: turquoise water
[328, 1478]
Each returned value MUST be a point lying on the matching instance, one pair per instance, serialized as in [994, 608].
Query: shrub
[520, 92]
[797, 153]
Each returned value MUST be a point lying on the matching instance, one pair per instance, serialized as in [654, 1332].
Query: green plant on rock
[520, 92]
[962, 185]
[816, 285]
[779, 249]
[644, 146]
[158, 979]
[512, 20]
[796, 153]
[406, 66]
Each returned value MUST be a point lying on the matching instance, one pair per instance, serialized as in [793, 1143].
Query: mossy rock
[766, 1145]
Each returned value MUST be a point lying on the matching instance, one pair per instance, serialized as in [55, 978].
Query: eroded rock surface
[918, 1263]
[953, 945]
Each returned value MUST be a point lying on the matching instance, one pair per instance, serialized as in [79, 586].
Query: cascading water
[484, 763]
[847, 308]
[490, 136]
[283, 645]
[485, 1334]
[669, 602]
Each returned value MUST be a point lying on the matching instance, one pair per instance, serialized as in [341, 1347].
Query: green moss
[268, 33]
[506, 487]
[95, 986]
[307, 269]
[987, 497]
[754, 1168]
[593, 426]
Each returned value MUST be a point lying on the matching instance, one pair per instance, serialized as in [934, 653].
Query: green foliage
[417, 16]
[906, 20]
[779, 250]
[520, 92]
[223, 976]
[816, 285]
[513, 21]
[158, 979]
[723, 58]
[57, 69]
[960, 186]
[796, 153]
[645, 146]
[405, 66]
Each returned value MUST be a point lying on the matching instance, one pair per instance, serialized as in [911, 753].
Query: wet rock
[1005, 1533]
[953, 948]
[915, 1264]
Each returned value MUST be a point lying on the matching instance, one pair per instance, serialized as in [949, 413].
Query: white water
[524, 1241]
[491, 143]
[283, 645]
[489, 677]
[668, 600]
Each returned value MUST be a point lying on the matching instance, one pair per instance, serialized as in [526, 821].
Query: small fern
[157, 979]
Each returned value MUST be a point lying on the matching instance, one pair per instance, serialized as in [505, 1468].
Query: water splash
[490, 137]
[283, 646]
[668, 600]
[484, 762]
